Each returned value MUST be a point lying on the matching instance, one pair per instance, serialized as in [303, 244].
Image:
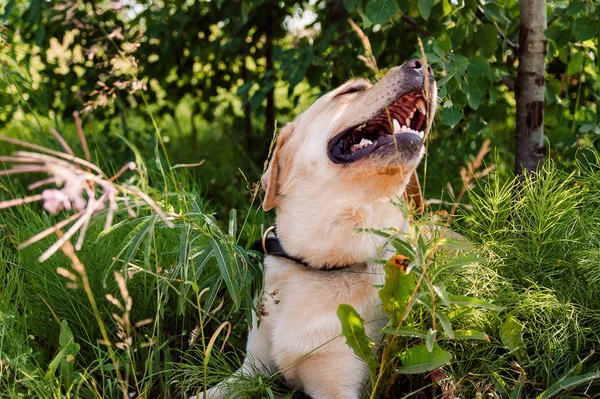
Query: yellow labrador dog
[335, 169]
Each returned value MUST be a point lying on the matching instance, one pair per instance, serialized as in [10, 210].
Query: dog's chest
[302, 304]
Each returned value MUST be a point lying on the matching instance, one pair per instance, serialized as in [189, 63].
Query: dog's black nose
[417, 64]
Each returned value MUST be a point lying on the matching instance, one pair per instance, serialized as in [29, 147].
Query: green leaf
[440, 290]
[430, 339]
[478, 66]
[66, 336]
[511, 335]
[471, 334]
[397, 290]
[575, 7]
[487, 38]
[356, 338]
[459, 263]
[553, 32]
[569, 384]
[518, 389]
[469, 301]
[445, 322]
[406, 332]
[586, 29]
[451, 116]
[418, 359]
[443, 43]
[380, 11]
[228, 273]
[425, 7]
[350, 5]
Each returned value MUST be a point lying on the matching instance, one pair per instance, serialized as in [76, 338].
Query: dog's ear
[270, 180]
[412, 193]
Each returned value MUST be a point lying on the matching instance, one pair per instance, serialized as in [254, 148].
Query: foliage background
[211, 79]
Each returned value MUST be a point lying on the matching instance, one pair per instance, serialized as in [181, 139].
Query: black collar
[272, 246]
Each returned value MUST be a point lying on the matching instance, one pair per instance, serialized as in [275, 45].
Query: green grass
[543, 266]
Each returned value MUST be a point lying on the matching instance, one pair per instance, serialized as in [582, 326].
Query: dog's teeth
[403, 129]
[421, 106]
[361, 127]
[411, 114]
[396, 126]
[421, 134]
[407, 121]
[364, 143]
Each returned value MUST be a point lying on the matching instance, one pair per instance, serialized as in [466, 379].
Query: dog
[334, 170]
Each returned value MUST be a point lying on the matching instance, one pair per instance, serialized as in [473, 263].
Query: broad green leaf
[406, 332]
[569, 384]
[471, 334]
[586, 29]
[445, 322]
[487, 38]
[553, 32]
[511, 335]
[575, 7]
[430, 339]
[443, 43]
[350, 5]
[380, 11]
[469, 301]
[451, 116]
[478, 66]
[575, 64]
[418, 359]
[425, 7]
[66, 336]
[356, 338]
[440, 290]
[398, 288]
[474, 94]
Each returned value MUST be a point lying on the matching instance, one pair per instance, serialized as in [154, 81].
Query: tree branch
[508, 82]
[415, 26]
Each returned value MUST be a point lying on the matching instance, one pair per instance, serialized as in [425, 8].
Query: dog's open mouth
[403, 121]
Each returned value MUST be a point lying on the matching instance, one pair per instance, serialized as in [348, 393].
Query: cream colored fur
[320, 205]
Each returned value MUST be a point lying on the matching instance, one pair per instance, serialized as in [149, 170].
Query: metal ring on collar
[264, 238]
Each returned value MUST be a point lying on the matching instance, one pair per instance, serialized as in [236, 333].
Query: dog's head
[360, 142]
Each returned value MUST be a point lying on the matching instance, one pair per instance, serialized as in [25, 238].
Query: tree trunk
[529, 143]
[270, 74]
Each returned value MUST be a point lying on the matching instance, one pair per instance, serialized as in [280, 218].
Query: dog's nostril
[417, 64]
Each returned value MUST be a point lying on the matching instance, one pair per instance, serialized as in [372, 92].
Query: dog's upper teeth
[361, 127]
[421, 106]
[407, 121]
[364, 143]
[396, 126]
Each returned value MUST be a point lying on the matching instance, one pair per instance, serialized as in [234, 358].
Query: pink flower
[55, 201]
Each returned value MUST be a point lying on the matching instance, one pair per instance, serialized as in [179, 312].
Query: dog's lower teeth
[362, 144]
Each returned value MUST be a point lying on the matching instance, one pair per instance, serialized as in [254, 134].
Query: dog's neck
[330, 238]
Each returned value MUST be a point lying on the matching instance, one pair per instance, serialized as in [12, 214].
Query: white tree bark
[529, 144]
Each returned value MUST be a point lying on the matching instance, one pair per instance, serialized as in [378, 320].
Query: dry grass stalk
[470, 174]
[87, 191]
[369, 59]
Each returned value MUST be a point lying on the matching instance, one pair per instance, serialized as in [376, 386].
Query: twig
[415, 26]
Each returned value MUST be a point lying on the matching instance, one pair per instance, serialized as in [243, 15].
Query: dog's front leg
[257, 361]
[330, 375]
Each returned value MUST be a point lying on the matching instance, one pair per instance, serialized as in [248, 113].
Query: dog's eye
[352, 89]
